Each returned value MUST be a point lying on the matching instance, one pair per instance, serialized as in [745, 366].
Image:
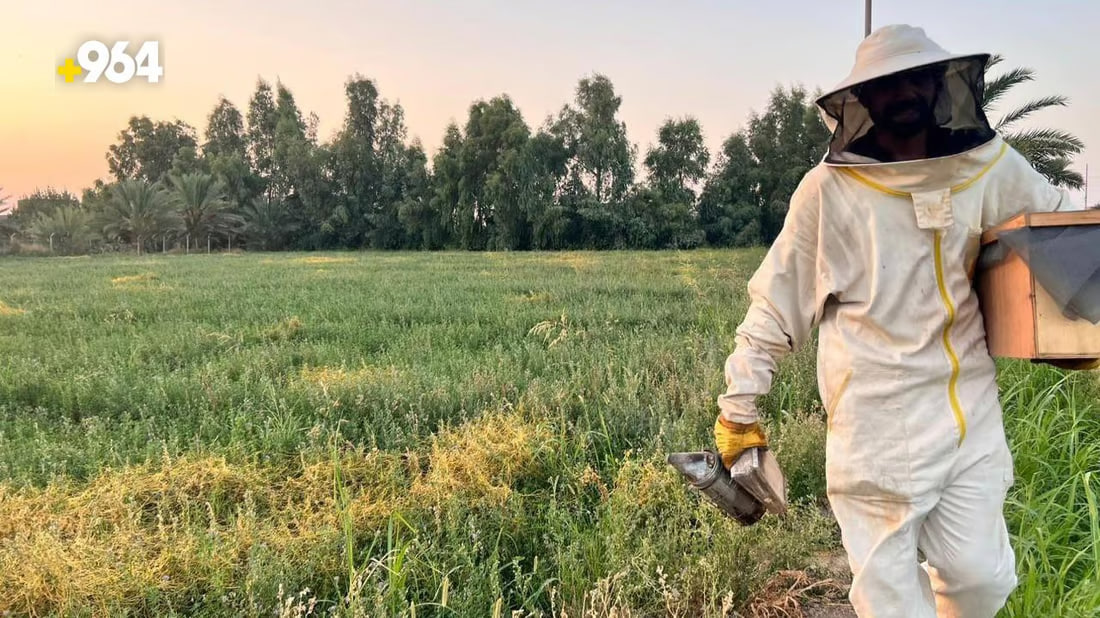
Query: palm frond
[1045, 142]
[1056, 170]
[1031, 107]
[1049, 151]
[996, 87]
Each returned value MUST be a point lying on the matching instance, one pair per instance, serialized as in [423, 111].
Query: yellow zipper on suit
[941, 283]
[953, 381]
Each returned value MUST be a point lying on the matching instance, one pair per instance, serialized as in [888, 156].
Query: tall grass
[428, 435]
[1053, 422]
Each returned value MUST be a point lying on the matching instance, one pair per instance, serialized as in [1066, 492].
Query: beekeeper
[878, 248]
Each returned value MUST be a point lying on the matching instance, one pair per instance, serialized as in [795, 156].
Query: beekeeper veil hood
[952, 87]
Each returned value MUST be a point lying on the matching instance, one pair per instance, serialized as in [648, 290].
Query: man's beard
[889, 121]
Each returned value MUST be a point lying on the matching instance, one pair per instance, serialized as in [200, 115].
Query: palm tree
[1048, 150]
[138, 211]
[201, 205]
[69, 226]
[6, 226]
[267, 224]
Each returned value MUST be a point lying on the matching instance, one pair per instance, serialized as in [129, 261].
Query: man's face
[902, 104]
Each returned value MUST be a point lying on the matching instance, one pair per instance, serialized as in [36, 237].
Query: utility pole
[1086, 186]
[867, 18]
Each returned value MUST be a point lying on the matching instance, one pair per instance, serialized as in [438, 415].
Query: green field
[447, 434]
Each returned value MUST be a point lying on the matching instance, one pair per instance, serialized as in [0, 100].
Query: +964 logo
[113, 61]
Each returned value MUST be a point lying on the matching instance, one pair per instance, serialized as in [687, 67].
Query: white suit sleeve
[1023, 189]
[784, 308]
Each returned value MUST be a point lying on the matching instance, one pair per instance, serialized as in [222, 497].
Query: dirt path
[829, 612]
[817, 592]
[835, 565]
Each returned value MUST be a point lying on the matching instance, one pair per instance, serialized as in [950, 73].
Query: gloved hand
[1074, 364]
[733, 438]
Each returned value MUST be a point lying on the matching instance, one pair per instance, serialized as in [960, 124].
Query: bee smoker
[751, 487]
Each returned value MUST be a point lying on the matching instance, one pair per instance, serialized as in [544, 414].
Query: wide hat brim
[897, 64]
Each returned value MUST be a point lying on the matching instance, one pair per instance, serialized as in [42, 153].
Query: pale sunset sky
[715, 60]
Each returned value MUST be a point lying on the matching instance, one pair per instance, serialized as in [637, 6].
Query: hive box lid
[1043, 219]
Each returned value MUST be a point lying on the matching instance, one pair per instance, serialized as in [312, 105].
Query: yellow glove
[733, 438]
[1074, 364]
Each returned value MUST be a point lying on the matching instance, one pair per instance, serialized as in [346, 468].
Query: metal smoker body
[755, 487]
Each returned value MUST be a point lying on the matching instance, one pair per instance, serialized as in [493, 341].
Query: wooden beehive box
[1021, 318]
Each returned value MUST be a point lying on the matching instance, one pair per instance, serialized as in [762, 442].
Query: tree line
[263, 180]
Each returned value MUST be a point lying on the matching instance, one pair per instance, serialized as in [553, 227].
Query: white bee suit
[880, 255]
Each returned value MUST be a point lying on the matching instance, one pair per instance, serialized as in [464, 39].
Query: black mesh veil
[957, 110]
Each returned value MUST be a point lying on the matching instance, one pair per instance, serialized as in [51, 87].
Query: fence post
[51, 243]
[208, 243]
[187, 251]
